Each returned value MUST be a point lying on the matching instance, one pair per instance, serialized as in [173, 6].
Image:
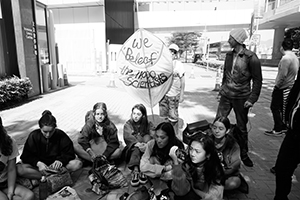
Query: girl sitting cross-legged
[99, 136]
[136, 135]
[47, 147]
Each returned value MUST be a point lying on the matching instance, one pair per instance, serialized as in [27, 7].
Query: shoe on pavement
[272, 170]
[247, 161]
[135, 179]
[274, 133]
[142, 178]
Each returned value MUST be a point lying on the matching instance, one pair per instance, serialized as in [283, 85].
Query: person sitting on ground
[47, 147]
[229, 154]
[156, 161]
[136, 135]
[200, 176]
[98, 137]
[8, 153]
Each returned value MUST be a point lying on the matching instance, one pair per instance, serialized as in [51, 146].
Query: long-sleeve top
[292, 112]
[110, 134]
[132, 133]
[38, 148]
[287, 70]
[230, 159]
[149, 169]
[236, 82]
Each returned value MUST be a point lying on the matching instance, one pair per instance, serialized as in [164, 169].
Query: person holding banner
[168, 106]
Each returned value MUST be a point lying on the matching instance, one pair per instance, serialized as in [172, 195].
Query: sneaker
[247, 162]
[272, 170]
[142, 178]
[135, 179]
[274, 133]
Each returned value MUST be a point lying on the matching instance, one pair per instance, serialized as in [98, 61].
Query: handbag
[57, 179]
[194, 129]
[104, 176]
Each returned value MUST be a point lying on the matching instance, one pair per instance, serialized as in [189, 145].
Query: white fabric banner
[145, 67]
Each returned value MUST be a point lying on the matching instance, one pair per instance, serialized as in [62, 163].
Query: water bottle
[43, 189]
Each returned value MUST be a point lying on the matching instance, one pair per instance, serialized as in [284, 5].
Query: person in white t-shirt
[168, 106]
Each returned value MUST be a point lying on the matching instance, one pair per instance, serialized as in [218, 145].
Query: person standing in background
[168, 106]
[241, 68]
[288, 157]
[287, 71]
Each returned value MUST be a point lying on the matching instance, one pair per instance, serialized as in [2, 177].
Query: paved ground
[70, 104]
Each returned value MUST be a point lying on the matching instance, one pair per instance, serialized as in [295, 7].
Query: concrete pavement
[70, 104]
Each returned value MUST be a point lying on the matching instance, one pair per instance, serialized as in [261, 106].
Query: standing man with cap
[168, 106]
[241, 67]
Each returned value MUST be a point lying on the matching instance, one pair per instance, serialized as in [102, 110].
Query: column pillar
[278, 38]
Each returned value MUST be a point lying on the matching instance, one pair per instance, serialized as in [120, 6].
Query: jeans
[287, 160]
[277, 105]
[168, 107]
[241, 114]
[135, 157]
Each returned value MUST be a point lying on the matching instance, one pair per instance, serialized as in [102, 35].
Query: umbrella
[145, 67]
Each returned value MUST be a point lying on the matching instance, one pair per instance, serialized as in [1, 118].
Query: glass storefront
[42, 34]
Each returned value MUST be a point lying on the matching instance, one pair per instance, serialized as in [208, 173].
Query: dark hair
[47, 119]
[5, 141]
[230, 140]
[212, 169]
[223, 120]
[144, 119]
[287, 44]
[163, 154]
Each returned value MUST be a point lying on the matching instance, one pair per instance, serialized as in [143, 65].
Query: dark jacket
[291, 105]
[38, 148]
[230, 160]
[110, 134]
[237, 85]
[132, 132]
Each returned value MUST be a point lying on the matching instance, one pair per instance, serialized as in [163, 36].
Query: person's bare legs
[21, 193]
[27, 171]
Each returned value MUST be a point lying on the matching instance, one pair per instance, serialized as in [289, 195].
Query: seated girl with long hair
[156, 160]
[8, 152]
[99, 136]
[201, 173]
[136, 134]
[229, 154]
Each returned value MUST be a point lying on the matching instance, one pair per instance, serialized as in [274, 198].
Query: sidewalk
[70, 104]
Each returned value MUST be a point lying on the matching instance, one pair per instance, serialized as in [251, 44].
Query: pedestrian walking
[288, 157]
[241, 68]
[287, 71]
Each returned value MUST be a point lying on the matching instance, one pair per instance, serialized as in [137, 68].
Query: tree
[186, 41]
